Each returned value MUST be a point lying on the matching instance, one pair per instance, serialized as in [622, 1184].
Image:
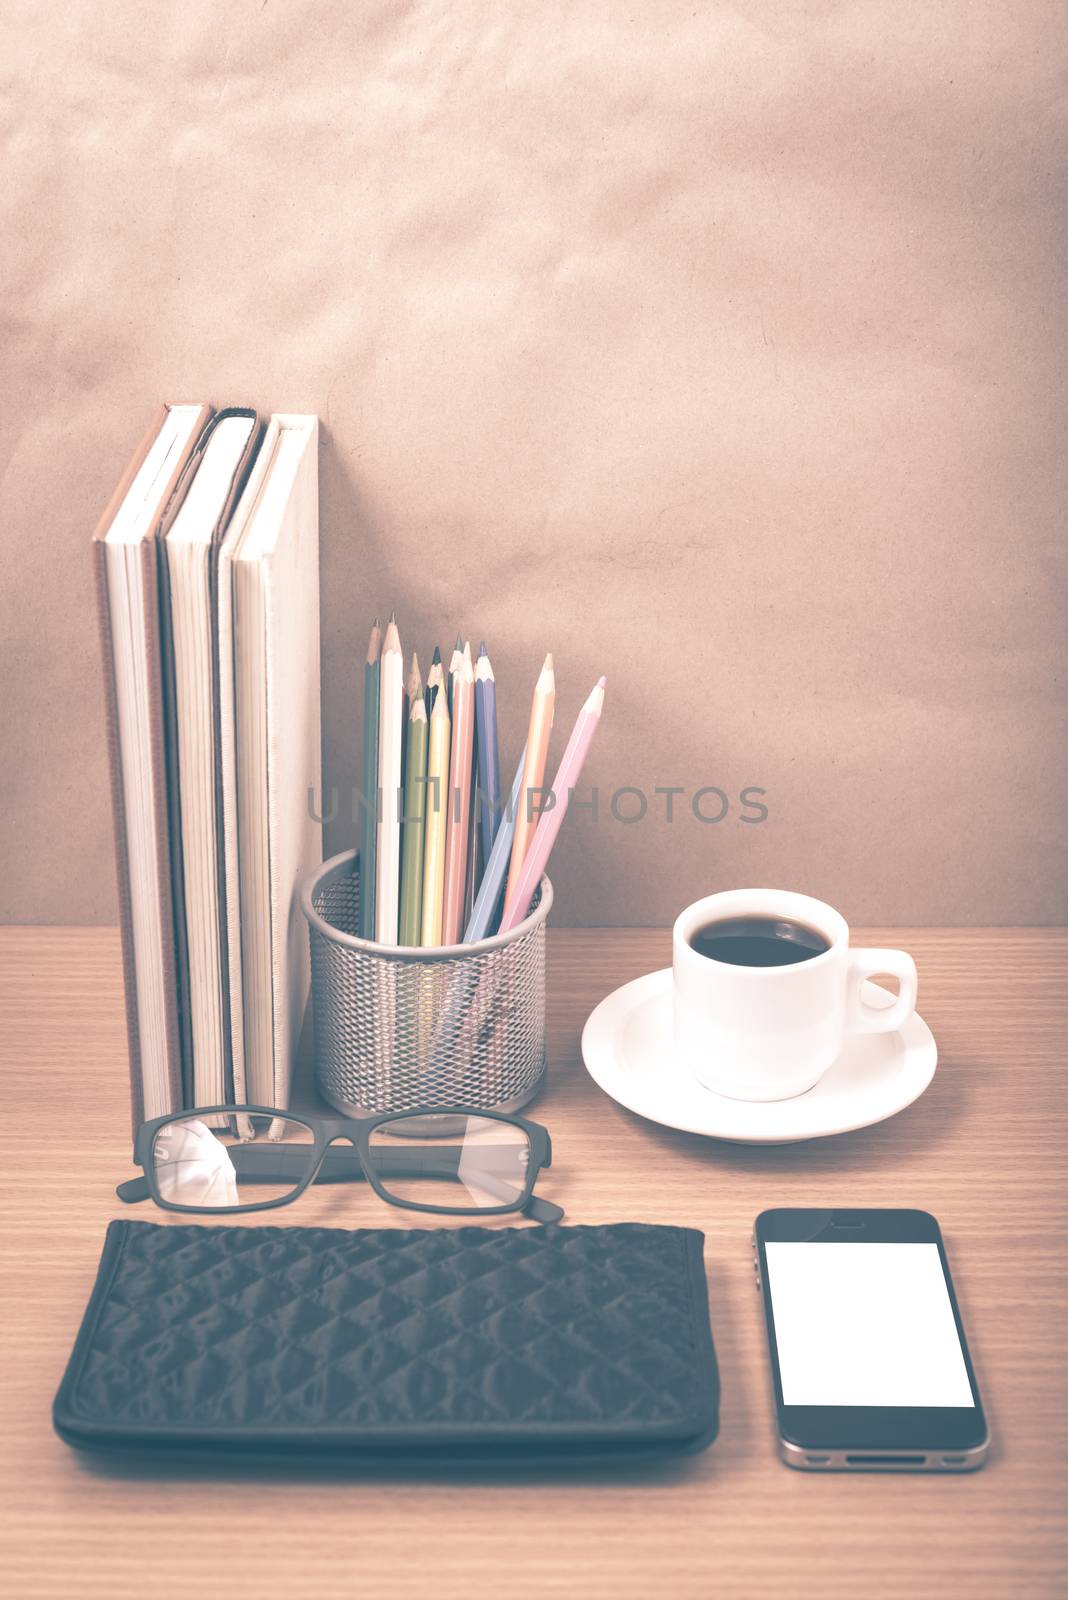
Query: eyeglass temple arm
[133, 1189]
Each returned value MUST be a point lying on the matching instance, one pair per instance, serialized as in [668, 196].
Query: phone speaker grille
[885, 1461]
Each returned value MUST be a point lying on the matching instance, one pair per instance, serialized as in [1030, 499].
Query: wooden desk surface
[984, 1150]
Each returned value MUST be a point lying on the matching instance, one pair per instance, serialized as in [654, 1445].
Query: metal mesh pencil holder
[399, 1027]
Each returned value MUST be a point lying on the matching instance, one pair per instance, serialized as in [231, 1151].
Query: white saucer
[628, 1049]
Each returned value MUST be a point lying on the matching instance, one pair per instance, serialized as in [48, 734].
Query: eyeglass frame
[357, 1132]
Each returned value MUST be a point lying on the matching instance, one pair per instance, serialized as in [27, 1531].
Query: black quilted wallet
[395, 1345]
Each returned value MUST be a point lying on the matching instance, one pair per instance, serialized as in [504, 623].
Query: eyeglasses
[252, 1158]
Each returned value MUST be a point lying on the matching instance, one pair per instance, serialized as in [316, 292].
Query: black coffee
[758, 942]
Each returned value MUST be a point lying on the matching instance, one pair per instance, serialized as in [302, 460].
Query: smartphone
[868, 1356]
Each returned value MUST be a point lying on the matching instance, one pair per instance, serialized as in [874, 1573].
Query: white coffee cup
[767, 1033]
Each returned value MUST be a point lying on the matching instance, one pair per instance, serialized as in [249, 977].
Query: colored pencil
[390, 741]
[454, 665]
[435, 679]
[567, 776]
[413, 823]
[369, 783]
[489, 890]
[437, 808]
[413, 685]
[489, 769]
[469, 1009]
[474, 832]
[541, 722]
[459, 810]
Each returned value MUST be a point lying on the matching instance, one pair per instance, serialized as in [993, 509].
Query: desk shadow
[735, 1410]
[209, 1469]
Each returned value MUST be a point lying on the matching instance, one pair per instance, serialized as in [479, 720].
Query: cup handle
[863, 964]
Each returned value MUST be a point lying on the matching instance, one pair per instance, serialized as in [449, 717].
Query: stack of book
[207, 569]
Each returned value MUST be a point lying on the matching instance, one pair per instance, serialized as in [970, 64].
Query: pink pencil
[567, 776]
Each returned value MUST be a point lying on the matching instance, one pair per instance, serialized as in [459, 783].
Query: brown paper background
[718, 348]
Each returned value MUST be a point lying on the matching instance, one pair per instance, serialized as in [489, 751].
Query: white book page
[189, 556]
[272, 562]
[140, 783]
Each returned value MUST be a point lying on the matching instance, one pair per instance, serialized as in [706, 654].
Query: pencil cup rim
[340, 866]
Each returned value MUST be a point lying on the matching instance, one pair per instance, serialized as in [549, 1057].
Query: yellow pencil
[436, 811]
[435, 680]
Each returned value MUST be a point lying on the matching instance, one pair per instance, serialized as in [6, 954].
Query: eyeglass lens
[216, 1161]
[454, 1163]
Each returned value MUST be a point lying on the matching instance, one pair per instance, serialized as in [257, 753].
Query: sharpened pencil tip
[548, 663]
[460, 642]
[602, 682]
[414, 684]
[482, 647]
[437, 656]
[393, 616]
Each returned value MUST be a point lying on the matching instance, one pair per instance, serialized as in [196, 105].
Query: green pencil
[413, 825]
[369, 782]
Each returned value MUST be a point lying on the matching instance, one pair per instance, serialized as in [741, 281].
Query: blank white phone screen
[865, 1325]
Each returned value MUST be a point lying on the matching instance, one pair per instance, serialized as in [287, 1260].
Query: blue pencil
[496, 868]
[489, 768]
